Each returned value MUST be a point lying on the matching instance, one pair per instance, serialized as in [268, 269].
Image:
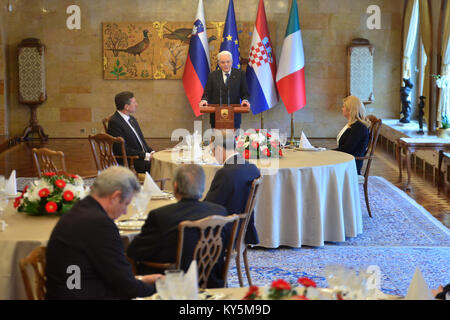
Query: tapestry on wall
[158, 50]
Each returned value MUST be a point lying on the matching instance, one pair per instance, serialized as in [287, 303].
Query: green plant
[118, 71]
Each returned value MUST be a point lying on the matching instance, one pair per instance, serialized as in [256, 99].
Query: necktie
[227, 78]
[133, 124]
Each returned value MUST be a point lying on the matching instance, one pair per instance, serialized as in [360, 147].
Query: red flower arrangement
[281, 289]
[256, 143]
[52, 194]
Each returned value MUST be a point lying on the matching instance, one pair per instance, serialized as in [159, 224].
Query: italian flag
[291, 74]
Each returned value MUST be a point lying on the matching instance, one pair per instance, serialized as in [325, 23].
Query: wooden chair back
[210, 245]
[105, 122]
[36, 259]
[374, 132]
[102, 150]
[44, 160]
[245, 216]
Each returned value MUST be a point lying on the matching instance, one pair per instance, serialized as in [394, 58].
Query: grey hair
[221, 53]
[190, 179]
[115, 178]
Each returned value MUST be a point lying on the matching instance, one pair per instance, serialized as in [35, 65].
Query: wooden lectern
[224, 114]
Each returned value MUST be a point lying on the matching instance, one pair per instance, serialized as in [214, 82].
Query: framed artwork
[158, 49]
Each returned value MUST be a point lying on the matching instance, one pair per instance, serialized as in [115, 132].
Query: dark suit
[354, 141]
[217, 92]
[86, 237]
[231, 187]
[118, 127]
[158, 240]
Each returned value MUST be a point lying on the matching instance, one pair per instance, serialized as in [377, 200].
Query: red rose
[306, 282]
[44, 192]
[17, 202]
[247, 154]
[51, 207]
[280, 284]
[68, 195]
[49, 174]
[255, 145]
[60, 183]
[247, 134]
[268, 135]
[252, 293]
[24, 190]
[73, 176]
[257, 130]
[280, 152]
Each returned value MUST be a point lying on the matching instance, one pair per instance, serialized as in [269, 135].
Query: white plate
[310, 149]
[131, 225]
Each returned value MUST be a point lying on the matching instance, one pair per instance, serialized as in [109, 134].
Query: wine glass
[2, 183]
[283, 139]
[3, 204]
[139, 204]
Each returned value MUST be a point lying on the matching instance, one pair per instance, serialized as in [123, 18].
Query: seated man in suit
[158, 240]
[123, 124]
[231, 184]
[87, 238]
[226, 86]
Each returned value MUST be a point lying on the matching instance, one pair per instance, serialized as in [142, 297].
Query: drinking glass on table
[3, 204]
[139, 205]
[2, 183]
[283, 139]
[175, 284]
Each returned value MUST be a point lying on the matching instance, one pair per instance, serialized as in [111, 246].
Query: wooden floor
[79, 160]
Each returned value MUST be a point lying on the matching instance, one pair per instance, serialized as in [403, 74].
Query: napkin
[304, 142]
[191, 282]
[151, 187]
[11, 184]
[418, 289]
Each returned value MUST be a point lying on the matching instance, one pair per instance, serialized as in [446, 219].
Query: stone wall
[78, 97]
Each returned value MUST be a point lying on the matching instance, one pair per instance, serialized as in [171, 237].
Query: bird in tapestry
[138, 48]
[183, 35]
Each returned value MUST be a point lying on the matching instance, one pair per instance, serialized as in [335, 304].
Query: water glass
[175, 284]
[3, 204]
[162, 289]
[2, 183]
[283, 139]
[139, 205]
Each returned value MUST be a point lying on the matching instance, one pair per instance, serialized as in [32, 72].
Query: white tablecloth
[307, 198]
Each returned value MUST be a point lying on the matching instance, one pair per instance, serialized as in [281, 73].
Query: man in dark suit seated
[226, 86]
[123, 124]
[85, 254]
[158, 240]
[231, 184]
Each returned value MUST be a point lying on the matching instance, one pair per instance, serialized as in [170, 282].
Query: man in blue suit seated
[158, 240]
[85, 254]
[231, 184]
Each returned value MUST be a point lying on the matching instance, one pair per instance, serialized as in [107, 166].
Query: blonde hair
[356, 110]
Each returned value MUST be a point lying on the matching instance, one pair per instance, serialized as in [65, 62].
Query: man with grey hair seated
[231, 184]
[158, 240]
[85, 254]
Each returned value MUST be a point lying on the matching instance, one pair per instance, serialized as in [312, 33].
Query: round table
[305, 197]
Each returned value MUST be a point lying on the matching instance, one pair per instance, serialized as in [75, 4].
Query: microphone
[220, 95]
[228, 94]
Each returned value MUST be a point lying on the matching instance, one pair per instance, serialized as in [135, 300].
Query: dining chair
[102, 149]
[240, 250]
[44, 160]
[210, 245]
[36, 259]
[105, 122]
[374, 132]
[207, 249]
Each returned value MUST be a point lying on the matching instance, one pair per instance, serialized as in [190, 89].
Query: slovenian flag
[291, 75]
[197, 68]
[230, 40]
[262, 67]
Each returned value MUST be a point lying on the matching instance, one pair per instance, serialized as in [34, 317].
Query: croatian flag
[197, 68]
[261, 69]
[290, 74]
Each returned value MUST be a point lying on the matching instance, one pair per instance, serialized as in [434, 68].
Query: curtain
[443, 102]
[409, 36]
[426, 36]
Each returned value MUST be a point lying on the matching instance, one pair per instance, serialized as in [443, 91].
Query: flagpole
[262, 120]
[292, 130]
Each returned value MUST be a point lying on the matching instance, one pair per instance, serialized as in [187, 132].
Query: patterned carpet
[401, 236]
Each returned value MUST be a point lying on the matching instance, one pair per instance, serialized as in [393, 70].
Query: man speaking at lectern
[226, 86]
